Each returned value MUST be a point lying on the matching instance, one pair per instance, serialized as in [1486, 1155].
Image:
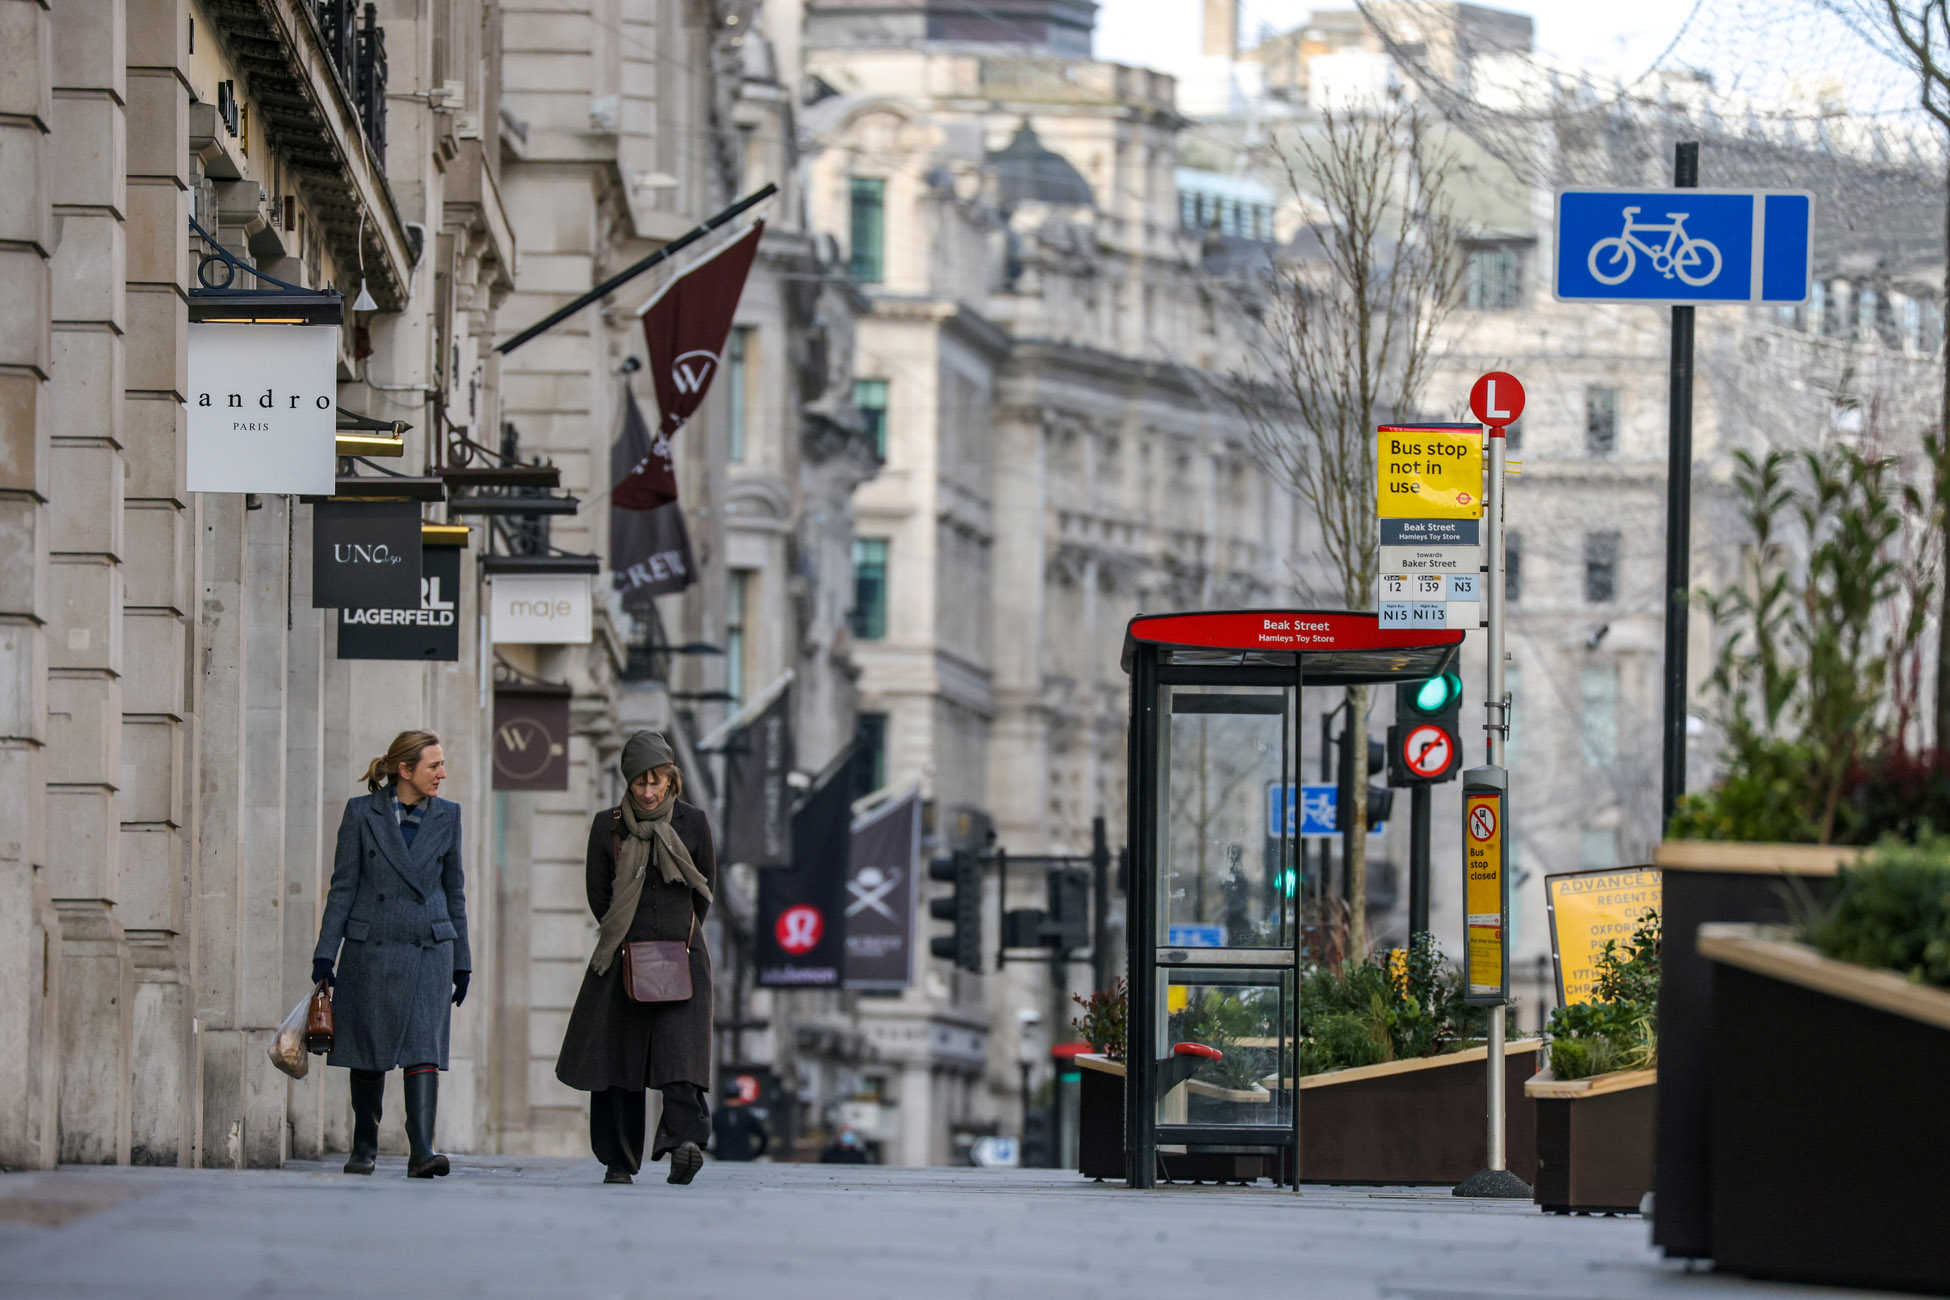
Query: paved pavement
[510, 1227]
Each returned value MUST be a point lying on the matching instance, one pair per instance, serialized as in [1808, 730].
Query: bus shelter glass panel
[1225, 868]
[1244, 1016]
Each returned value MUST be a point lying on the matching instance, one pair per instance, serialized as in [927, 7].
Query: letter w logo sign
[515, 737]
[692, 371]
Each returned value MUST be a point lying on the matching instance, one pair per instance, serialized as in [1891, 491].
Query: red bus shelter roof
[1334, 646]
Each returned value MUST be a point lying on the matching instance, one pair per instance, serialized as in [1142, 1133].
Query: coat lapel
[391, 843]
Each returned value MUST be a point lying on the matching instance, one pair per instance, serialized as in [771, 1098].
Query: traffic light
[1425, 742]
[1069, 909]
[1380, 799]
[962, 909]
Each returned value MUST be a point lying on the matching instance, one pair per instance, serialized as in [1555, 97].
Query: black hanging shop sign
[531, 737]
[365, 555]
[801, 932]
[428, 633]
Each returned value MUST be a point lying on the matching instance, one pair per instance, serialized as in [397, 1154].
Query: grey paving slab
[508, 1227]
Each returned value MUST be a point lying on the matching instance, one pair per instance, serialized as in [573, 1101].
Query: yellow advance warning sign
[1483, 893]
[1589, 907]
[1429, 473]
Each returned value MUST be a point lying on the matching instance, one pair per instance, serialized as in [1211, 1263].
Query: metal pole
[1321, 883]
[1419, 801]
[632, 271]
[1100, 895]
[1679, 517]
[1496, 736]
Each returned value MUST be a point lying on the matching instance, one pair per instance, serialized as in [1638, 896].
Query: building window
[737, 592]
[738, 377]
[869, 228]
[1600, 568]
[1512, 566]
[1600, 421]
[1494, 278]
[1597, 849]
[1598, 687]
[1825, 306]
[870, 396]
[869, 754]
[870, 588]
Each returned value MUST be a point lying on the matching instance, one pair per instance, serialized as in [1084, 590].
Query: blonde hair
[404, 751]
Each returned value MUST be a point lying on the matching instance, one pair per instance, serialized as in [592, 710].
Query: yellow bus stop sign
[1423, 472]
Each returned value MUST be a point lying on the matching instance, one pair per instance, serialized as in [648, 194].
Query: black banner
[880, 896]
[658, 547]
[758, 802]
[365, 555]
[649, 548]
[801, 939]
[531, 738]
[430, 633]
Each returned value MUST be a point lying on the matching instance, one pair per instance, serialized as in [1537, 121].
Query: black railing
[358, 51]
[525, 534]
[648, 648]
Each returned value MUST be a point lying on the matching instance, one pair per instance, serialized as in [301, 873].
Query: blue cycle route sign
[1305, 810]
[1684, 246]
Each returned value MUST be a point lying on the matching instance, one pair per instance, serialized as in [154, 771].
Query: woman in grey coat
[398, 904]
[651, 870]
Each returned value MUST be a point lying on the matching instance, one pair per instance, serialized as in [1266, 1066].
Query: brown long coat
[613, 1042]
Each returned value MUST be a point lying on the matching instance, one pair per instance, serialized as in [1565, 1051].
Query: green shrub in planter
[1619, 1028]
[1892, 912]
[1365, 1013]
[1821, 635]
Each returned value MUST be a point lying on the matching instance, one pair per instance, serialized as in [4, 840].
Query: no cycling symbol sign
[1482, 822]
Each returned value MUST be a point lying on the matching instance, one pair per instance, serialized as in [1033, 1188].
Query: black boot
[368, 1097]
[422, 1100]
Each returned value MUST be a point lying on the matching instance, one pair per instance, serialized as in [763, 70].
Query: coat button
[382, 898]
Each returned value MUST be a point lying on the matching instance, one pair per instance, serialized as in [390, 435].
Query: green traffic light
[1435, 694]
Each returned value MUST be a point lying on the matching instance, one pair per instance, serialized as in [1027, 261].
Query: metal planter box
[1828, 1145]
[1594, 1140]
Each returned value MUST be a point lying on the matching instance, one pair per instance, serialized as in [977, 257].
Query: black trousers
[617, 1117]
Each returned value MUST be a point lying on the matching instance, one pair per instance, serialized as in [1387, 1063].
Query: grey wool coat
[611, 1041]
[402, 916]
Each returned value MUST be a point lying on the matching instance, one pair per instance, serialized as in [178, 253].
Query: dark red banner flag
[685, 326]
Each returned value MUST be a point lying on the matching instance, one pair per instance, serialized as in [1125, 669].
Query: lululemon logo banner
[531, 738]
[800, 941]
[800, 929]
[429, 633]
[884, 862]
[262, 409]
[365, 555]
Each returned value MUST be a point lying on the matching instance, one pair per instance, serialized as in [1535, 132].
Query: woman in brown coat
[650, 873]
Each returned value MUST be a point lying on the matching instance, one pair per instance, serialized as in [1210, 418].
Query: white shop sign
[539, 609]
[262, 409]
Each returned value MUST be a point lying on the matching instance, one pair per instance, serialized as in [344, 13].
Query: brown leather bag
[659, 970]
[320, 1027]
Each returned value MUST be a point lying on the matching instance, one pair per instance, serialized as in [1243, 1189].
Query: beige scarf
[645, 835]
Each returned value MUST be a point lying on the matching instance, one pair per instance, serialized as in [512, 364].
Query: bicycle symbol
[1613, 260]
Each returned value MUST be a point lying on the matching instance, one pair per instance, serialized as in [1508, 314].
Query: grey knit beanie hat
[643, 751]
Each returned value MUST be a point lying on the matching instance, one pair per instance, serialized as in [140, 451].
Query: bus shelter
[1214, 923]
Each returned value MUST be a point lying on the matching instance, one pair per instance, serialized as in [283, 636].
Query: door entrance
[1214, 924]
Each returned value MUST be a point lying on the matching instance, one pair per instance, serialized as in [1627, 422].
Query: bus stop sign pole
[1497, 400]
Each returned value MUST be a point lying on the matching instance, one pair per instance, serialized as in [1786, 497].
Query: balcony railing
[356, 44]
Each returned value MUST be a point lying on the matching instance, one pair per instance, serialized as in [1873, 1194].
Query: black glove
[460, 985]
[321, 971]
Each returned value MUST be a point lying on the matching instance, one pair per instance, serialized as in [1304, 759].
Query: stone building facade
[178, 731]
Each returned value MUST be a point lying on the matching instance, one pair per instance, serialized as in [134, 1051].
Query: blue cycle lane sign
[1305, 810]
[1684, 246]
